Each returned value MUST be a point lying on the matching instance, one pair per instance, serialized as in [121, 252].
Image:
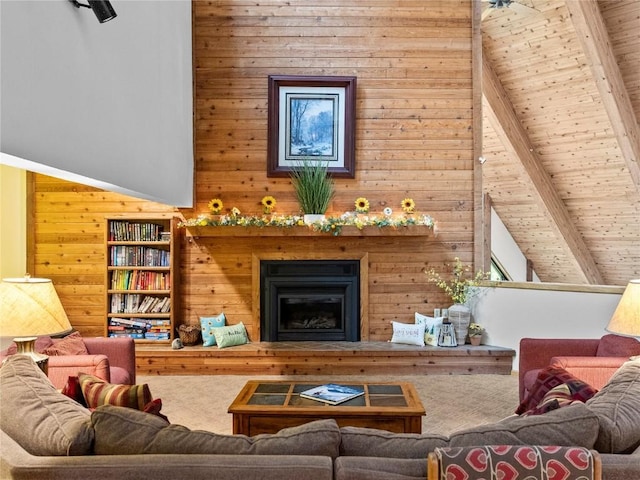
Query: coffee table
[264, 406]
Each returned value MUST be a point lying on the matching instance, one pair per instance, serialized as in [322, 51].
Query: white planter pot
[310, 218]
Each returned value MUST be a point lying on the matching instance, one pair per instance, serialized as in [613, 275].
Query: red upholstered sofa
[111, 359]
[592, 360]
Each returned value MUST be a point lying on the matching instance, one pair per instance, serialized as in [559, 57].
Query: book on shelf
[138, 256]
[128, 322]
[126, 231]
[140, 280]
[332, 393]
[149, 329]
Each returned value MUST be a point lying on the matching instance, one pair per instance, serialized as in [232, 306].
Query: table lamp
[626, 318]
[30, 307]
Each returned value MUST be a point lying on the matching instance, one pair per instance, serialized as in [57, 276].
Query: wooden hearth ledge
[322, 358]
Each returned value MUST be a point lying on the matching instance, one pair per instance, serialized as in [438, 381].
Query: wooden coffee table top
[281, 400]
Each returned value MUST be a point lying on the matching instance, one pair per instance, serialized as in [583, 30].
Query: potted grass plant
[314, 189]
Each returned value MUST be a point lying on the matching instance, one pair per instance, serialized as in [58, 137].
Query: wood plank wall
[414, 138]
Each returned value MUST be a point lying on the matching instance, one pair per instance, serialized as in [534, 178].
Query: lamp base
[26, 346]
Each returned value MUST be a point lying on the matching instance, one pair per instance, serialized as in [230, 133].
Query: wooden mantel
[306, 231]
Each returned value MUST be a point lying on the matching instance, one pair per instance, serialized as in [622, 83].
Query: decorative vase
[460, 318]
[310, 218]
[475, 340]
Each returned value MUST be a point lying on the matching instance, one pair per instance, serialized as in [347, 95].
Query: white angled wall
[111, 103]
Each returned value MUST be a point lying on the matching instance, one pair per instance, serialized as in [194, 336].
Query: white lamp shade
[626, 318]
[31, 307]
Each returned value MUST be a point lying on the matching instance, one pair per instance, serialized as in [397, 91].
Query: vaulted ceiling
[561, 107]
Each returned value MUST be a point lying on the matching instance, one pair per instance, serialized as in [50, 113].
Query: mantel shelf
[308, 231]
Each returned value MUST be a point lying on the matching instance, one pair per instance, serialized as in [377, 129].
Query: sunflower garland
[331, 224]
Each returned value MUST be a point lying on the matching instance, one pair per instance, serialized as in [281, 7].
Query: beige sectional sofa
[46, 435]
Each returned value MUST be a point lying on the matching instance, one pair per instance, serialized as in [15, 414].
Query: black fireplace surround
[309, 300]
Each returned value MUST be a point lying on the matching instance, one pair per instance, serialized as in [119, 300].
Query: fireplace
[309, 300]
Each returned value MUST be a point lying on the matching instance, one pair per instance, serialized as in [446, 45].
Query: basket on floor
[189, 334]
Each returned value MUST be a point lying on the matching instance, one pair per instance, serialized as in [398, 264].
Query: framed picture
[311, 119]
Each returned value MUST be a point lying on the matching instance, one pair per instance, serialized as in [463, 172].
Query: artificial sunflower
[268, 203]
[362, 205]
[408, 205]
[215, 206]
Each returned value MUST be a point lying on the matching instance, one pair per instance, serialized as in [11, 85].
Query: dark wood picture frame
[323, 109]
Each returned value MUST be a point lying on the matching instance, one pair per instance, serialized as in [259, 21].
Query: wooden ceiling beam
[594, 38]
[511, 133]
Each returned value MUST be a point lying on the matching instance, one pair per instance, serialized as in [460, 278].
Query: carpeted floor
[452, 402]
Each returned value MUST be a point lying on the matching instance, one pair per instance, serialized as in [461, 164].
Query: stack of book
[158, 330]
[127, 327]
[148, 329]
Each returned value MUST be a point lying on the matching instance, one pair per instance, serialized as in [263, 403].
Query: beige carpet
[452, 402]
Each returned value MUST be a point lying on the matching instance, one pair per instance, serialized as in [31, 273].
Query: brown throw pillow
[97, 392]
[70, 345]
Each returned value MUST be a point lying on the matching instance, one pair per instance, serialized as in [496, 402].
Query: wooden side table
[268, 406]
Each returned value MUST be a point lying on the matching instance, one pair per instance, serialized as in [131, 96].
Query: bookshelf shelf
[140, 277]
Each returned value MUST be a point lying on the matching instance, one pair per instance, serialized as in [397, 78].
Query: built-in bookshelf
[140, 277]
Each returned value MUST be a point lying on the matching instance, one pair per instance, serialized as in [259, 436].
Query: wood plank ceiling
[561, 103]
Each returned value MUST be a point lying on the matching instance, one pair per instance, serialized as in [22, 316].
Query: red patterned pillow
[98, 392]
[70, 345]
[549, 378]
[514, 461]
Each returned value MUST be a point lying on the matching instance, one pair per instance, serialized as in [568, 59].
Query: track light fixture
[102, 8]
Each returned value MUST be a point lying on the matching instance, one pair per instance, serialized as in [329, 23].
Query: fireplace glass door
[309, 300]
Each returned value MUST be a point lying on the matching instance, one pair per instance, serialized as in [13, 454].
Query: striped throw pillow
[97, 392]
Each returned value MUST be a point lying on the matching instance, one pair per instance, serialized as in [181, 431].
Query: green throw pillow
[231, 335]
[207, 324]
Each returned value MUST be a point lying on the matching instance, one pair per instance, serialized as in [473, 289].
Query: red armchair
[111, 359]
[591, 360]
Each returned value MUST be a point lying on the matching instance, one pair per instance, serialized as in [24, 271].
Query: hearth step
[312, 358]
